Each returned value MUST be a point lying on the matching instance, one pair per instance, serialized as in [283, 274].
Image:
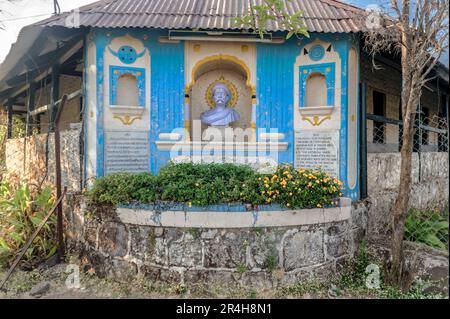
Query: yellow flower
[309, 184]
[290, 194]
[197, 184]
[288, 205]
[190, 204]
[319, 206]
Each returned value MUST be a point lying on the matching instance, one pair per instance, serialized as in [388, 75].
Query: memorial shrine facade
[291, 101]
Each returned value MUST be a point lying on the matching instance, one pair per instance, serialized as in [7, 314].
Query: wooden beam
[54, 95]
[72, 73]
[31, 104]
[10, 117]
[19, 83]
[45, 108]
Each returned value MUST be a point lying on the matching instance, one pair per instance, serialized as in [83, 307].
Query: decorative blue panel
[127, 54]
[317, 52]
[166, 88]
[115, 72]
[275, 87]
[326, 69]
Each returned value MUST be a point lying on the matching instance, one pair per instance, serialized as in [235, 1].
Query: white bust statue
[221, 115]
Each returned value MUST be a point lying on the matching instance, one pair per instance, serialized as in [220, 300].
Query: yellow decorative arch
[221, 57]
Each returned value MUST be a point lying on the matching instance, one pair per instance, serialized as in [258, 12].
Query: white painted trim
[316, 110]
[214, 219]
[238, 146]
[272, 136]
[170, 136]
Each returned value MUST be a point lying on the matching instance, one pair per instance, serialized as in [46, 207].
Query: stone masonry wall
[430, 184]
[256, 257]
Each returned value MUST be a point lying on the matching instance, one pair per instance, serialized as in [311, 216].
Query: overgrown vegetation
[352, 282]
[210, 184]
[21, 211]
[429, 227]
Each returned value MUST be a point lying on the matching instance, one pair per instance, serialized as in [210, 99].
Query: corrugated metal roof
[319, 15]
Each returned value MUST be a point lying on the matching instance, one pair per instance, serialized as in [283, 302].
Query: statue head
[221, 95]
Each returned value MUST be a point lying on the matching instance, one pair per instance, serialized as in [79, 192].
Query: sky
[15, 14]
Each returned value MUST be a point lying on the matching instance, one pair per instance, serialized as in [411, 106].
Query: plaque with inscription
[127, 152]
[318, 149]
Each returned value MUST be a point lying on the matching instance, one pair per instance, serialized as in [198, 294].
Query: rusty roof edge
[25, 41]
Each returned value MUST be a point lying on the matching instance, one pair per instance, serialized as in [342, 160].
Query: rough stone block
[303, 249]
[263, 250]
[123, 270]
[227, 250]
[185, 253]
[113, 239]
[337, 246]
[139, 240]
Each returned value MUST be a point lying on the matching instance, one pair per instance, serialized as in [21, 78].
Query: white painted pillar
[253, 122]
[187, 115]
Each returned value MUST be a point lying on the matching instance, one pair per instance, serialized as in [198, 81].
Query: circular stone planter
[222, 245]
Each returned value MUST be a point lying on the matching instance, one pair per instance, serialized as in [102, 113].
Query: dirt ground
[56, 282]
[51, 283]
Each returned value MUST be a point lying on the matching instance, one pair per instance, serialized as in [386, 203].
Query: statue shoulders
[222, 117]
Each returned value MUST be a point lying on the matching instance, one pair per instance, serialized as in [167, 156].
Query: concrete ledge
[249, 219]
[227, 146]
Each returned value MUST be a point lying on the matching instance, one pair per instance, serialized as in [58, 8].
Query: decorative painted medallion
[127, 54]
[317, 52]
[231, 87]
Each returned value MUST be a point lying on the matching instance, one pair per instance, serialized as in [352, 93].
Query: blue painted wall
[275, 87]
[166, 88]
[275, 81]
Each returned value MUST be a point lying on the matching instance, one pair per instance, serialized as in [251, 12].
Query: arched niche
[234, 74]
[316, 90]
[127, 90]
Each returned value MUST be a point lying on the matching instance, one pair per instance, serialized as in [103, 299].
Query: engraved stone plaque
[127, 152]
[315, 149]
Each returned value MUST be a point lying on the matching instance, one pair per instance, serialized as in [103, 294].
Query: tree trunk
[396, 273]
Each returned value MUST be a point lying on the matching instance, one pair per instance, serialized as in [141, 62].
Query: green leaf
[289, 35]
[434, 241]
[3, 245]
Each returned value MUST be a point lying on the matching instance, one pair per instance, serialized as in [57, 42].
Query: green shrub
[124, 188]
[203, 184]
[21, 212]
[428, 227]
[209, 184]
[293, 188]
